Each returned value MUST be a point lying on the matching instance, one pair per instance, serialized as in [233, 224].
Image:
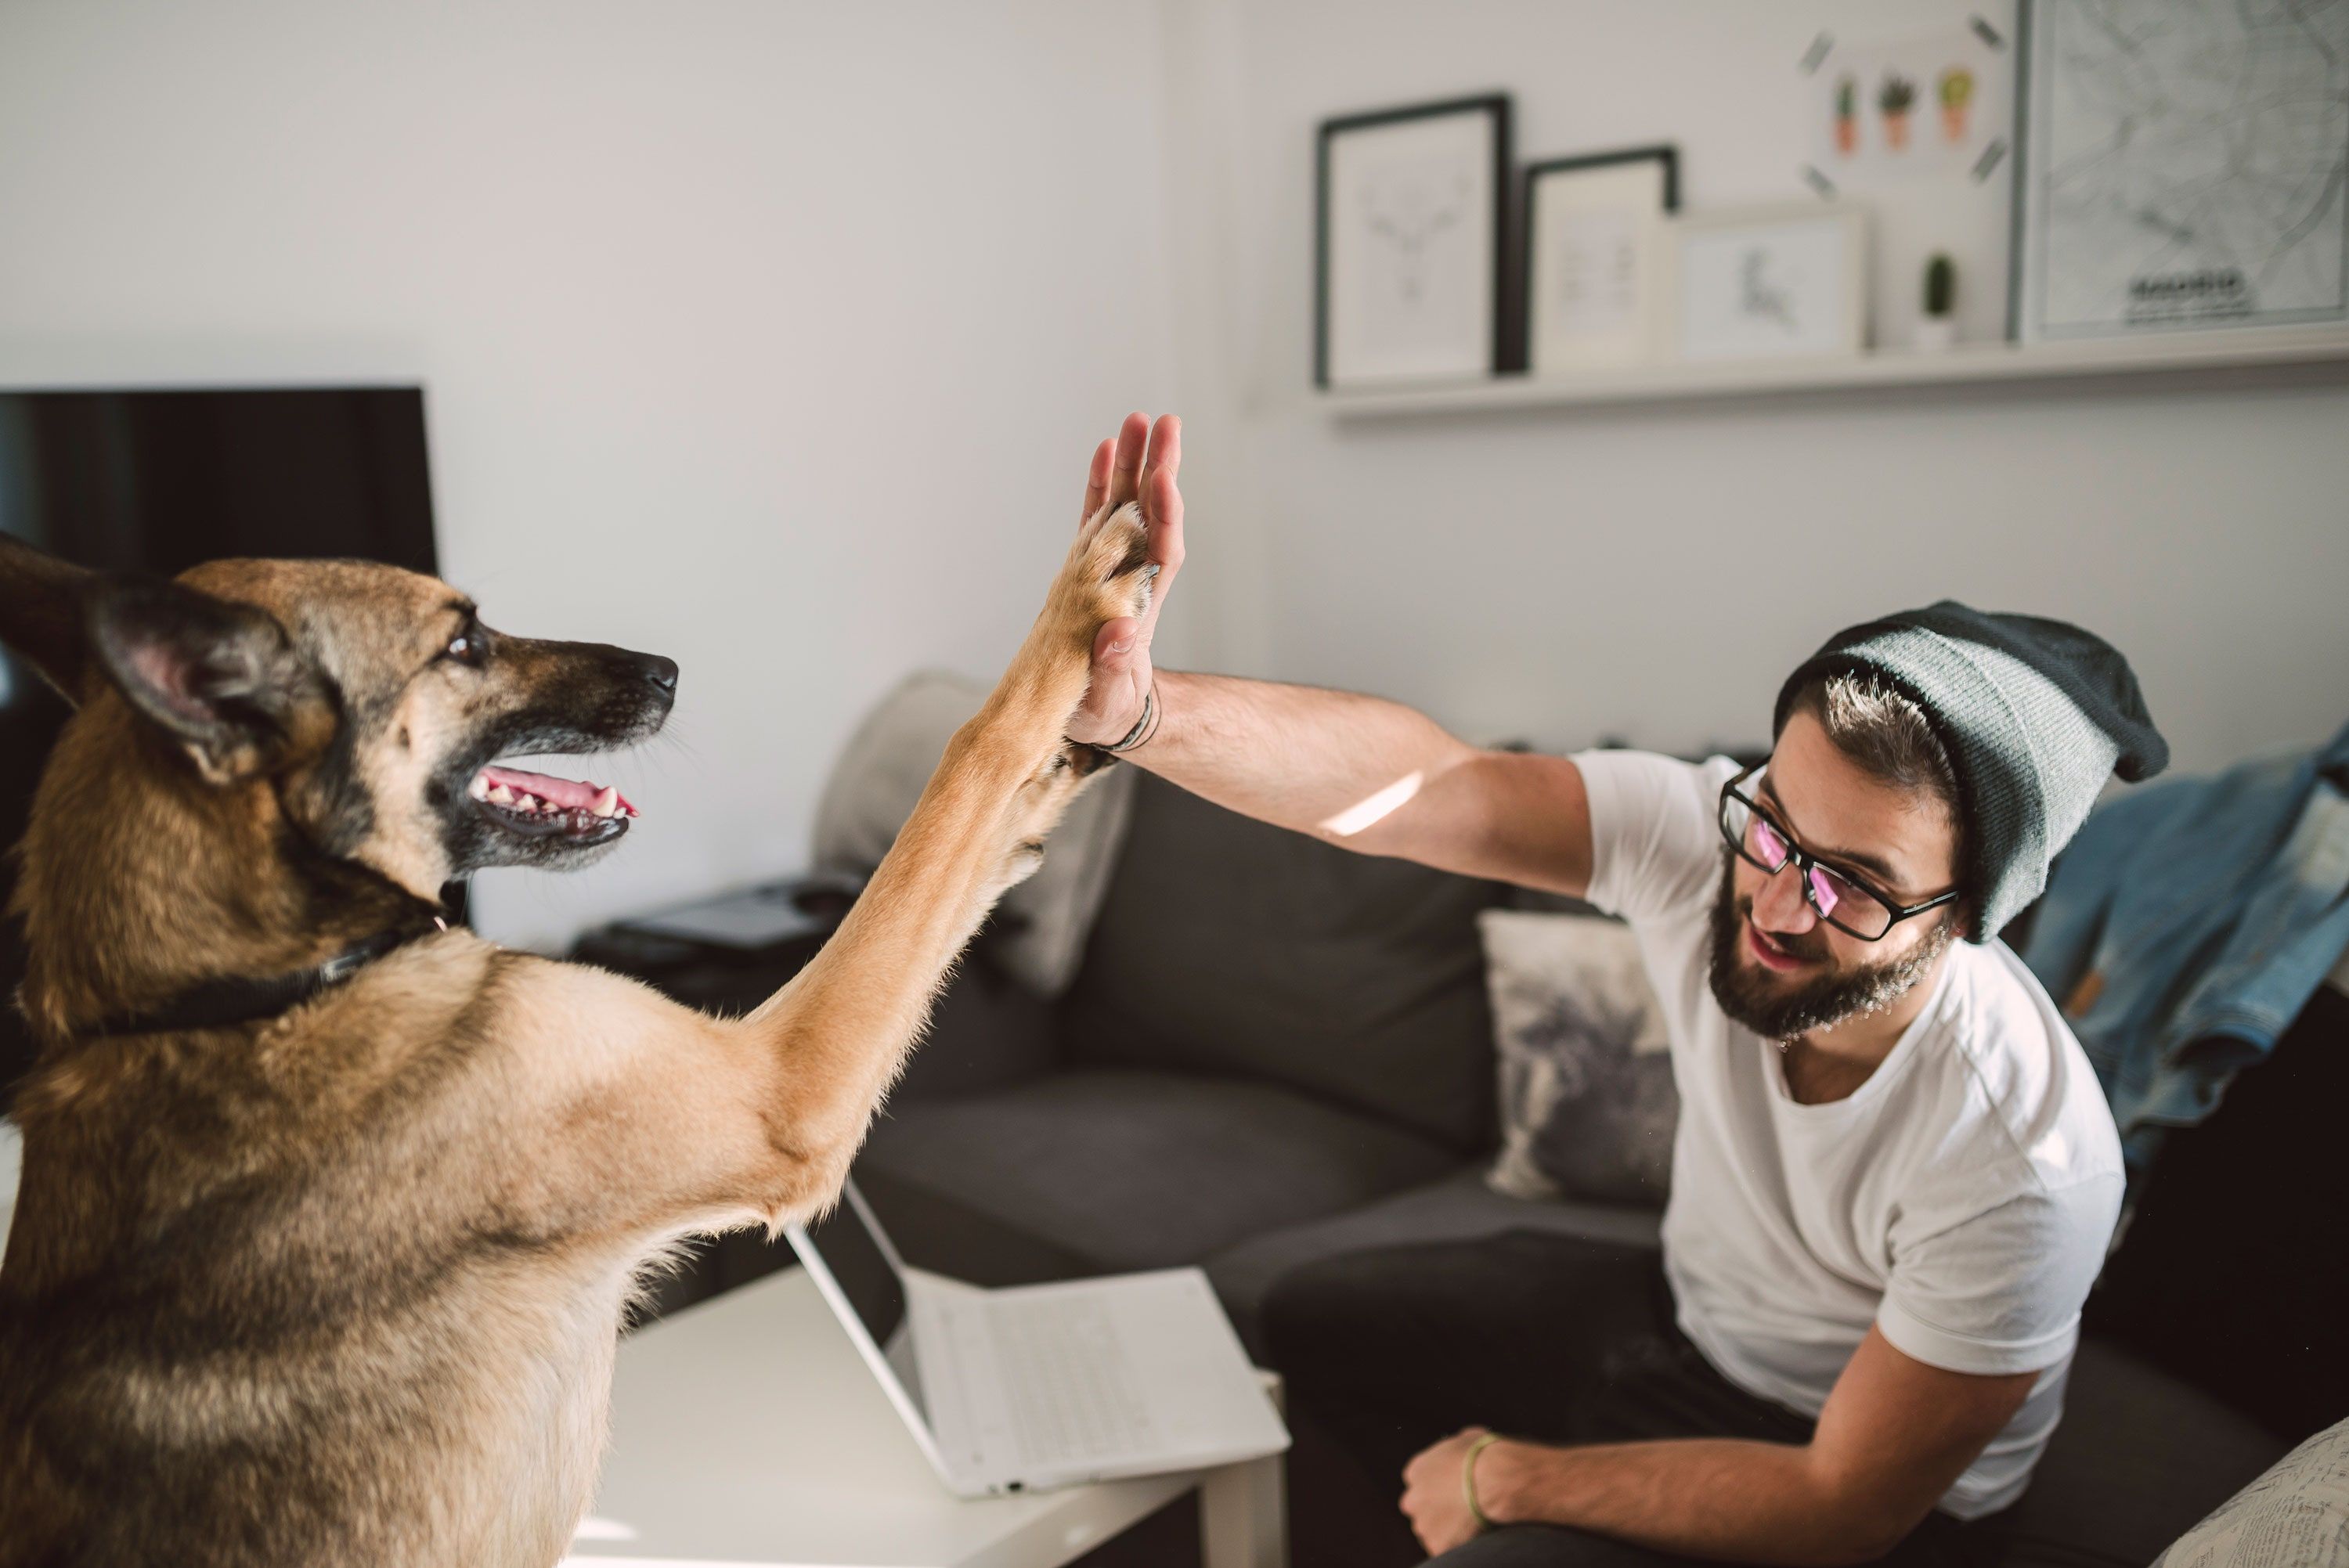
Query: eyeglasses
[1844, 900]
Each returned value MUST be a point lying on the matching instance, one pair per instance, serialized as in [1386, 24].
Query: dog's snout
[661, 672]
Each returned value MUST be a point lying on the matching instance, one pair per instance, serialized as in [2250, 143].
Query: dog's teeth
[480, 788]
[500, 795]
[606, 803]
[528, 804]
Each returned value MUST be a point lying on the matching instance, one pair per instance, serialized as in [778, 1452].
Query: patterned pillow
[2297, 1514]
[1588, 1106]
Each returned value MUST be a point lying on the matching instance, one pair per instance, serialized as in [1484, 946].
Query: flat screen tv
[155, 482]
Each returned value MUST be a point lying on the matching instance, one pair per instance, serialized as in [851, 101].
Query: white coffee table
[747, 1430]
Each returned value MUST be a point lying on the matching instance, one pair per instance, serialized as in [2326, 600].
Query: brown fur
[343, 1286]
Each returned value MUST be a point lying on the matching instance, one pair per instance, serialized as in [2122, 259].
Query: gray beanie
[2035, 714]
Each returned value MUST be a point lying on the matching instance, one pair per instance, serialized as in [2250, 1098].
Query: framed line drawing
[1411, 275]
[1782, 282]
[1594, 263]
[2184, 164]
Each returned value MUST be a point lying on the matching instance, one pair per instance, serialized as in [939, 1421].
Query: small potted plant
[1846, 119]
[1939, 328]
[1896, 97]
[1957, 90]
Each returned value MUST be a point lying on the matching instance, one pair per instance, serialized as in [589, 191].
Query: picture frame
[1410, 255]
[2136, 212]
[1593, 267]
[1787, 281]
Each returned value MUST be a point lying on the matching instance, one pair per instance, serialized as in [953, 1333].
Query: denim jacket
[2188, 922]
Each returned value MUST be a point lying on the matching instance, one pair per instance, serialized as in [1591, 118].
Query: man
[1895, 1176]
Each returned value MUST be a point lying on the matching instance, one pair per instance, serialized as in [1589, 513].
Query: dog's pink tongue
[568, 794]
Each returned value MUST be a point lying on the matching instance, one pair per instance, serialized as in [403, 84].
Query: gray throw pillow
[1041, 926]
[1588, 1106]
[2294, 1516]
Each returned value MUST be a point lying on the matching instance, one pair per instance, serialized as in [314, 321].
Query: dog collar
[223, 1004]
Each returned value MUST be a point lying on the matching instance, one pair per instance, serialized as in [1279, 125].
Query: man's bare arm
[1370, 775]
[1894, 1435]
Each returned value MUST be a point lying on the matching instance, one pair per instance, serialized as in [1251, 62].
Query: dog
[330, 1213]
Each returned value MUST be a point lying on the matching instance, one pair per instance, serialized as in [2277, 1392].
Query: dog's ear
[42, 603]
[222, 678]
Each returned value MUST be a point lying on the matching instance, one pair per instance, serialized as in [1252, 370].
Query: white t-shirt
[1960, 1200]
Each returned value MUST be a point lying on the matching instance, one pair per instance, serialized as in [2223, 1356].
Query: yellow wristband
[1468, 1479]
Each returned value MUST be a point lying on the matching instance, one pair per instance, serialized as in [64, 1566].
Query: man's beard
[1748, 995]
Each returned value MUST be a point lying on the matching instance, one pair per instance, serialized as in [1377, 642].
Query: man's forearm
[1708, 1497]
[1335, 764]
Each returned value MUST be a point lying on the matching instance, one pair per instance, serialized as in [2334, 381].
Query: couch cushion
[1092, 1171]
[1037, 931]
[1459, 1207]
[2217, 1279]
[2139, 1458]
[1227, 946]
[1588, 1103]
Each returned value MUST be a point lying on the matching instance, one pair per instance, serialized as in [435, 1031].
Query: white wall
[1652, 572]
[769, 335]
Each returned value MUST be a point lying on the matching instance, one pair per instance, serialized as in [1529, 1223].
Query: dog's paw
[1111, 565]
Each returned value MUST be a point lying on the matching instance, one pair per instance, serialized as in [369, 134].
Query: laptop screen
[849, 1249]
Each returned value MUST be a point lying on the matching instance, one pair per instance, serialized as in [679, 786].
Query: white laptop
[1050, 1385]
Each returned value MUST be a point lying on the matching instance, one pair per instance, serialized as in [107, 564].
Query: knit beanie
[2034, 714]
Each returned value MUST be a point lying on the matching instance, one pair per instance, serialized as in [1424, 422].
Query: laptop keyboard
[1070, 1393]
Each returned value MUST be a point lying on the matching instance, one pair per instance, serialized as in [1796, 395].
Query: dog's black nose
[661, 672]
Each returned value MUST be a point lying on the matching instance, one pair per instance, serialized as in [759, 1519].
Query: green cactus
[1940, 285]
[1898, 94]
[1957, 87]
[1847, 99]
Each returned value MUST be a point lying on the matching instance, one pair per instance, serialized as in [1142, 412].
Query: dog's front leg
[844, 1028]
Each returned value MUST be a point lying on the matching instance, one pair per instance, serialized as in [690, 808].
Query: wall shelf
[2252, 355]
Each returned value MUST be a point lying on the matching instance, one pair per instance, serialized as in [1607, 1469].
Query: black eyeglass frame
[1803, 860]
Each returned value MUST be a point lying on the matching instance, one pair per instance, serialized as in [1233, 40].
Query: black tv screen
[156, 481]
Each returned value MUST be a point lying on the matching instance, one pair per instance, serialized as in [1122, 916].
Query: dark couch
[1275, 1051]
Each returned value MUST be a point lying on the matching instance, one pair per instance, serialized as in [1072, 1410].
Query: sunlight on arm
[1372, 809]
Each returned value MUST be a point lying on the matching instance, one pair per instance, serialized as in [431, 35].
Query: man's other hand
[1433, 1498]
[1138, 463]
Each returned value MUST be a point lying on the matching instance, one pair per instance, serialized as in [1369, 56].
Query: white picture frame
[1410, 215]
[1781, 282]
[1594, 267]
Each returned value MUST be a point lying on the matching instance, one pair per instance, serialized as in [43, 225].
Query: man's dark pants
[1546, 1338]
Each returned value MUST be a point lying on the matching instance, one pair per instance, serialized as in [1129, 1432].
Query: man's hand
[1433, 1496]
[1138, 464]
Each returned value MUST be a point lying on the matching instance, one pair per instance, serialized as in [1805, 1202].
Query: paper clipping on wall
[1936, 105]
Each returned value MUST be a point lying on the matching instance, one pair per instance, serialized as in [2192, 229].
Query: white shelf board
[2187, 355]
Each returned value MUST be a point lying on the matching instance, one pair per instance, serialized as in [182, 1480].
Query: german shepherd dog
[341, 1282]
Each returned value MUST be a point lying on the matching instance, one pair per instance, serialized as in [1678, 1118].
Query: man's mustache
[1810, 947]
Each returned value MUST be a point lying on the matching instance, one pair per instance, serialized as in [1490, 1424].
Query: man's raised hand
[1139, 463]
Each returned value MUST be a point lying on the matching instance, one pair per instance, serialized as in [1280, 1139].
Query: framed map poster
[2183, 166]
[1411, 274]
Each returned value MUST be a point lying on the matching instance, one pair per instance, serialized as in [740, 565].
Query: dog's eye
[465, 647]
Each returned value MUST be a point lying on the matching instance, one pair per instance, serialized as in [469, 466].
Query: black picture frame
[1664, 152]
[1508, 326]
[1529, 178]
